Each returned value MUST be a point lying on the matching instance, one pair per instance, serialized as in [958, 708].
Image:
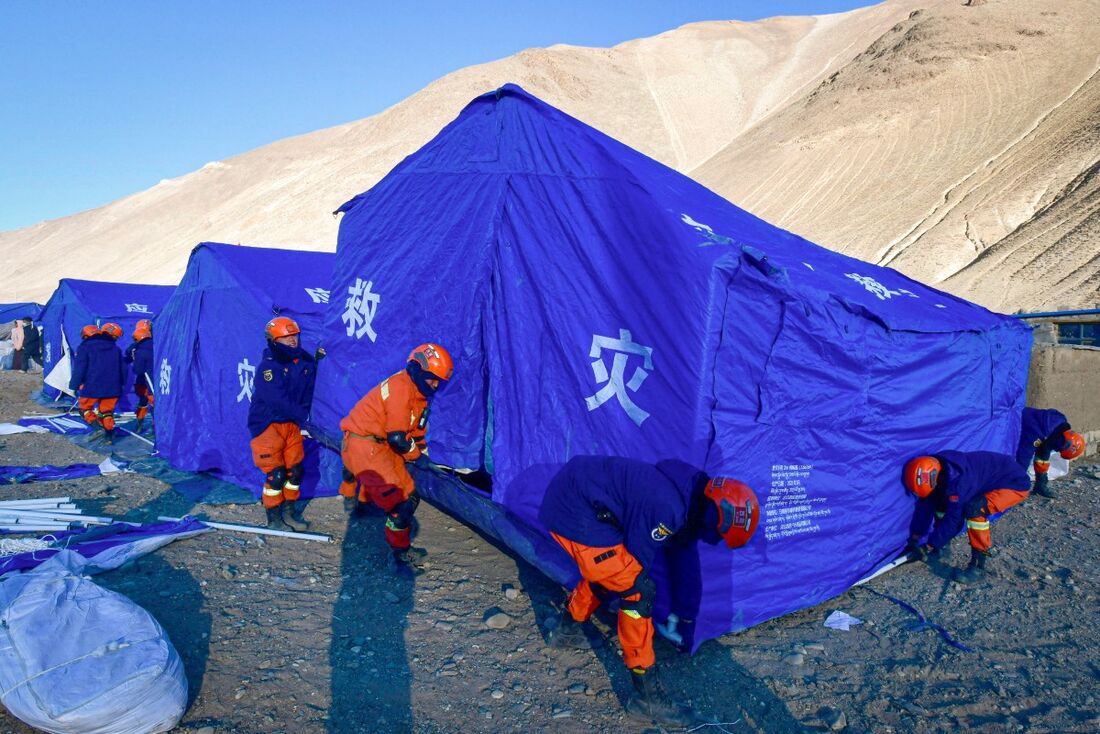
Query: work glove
[922, 552]
[319, 354]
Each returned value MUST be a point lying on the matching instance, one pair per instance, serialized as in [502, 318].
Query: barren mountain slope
[938, 141]
[678, 97]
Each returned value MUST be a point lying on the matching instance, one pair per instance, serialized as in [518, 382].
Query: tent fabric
[50, 473]
[208, 341]
[77, 303]
[9, 312]
[597, 302]
[75, 657]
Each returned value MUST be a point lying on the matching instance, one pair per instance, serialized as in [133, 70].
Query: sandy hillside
[940, 139]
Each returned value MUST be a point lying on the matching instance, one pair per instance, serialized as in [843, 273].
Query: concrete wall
[1068, 378]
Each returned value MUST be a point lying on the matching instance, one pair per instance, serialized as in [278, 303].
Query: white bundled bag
[76, 658]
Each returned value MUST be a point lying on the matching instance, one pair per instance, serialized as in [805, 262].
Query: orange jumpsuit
[395, 405]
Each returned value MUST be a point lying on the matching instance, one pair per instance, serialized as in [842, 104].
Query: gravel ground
[285, 636]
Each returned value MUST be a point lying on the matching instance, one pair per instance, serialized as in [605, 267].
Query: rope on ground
[15, 546]
[717, 725]
[923, 622]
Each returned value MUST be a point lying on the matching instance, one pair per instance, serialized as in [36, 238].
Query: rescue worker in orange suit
[613, 516]
[140, 355]
[281, 399]
[1042, 432]
[961, 487]
[386, 429]
[98, 376]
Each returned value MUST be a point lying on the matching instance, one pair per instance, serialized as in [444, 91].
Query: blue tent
[209, 339]
[77, 303]
[598, 302]
[11, 311]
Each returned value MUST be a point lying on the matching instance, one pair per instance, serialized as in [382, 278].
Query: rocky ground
[287, 636]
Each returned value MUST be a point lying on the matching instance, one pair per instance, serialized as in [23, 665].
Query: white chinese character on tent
[360, 308]
[137, 308]
[165, 376]
[319, 295]
[615, 386]
[49, 352]
[246, 376]
[881, 291]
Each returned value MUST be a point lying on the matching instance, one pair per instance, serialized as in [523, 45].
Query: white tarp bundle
[75, 657]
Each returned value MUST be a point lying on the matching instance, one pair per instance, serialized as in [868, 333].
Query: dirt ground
[286, 636]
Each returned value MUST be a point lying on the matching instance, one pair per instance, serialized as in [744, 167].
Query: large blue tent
[598, 302]
[77, 303]
[209, 339]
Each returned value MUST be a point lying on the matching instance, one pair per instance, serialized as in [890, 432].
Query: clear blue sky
[102, 99]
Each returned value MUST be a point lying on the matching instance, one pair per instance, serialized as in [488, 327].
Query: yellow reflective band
[1042, 464]
[272, 492]
[976, 525]
[386, 389]
[939, 515]
[631, 613]
[292, 487]
[391, 525]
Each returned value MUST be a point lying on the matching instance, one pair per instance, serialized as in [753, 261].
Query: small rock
[511, 593]
[496, 619]
[562, 714]
[205, 730]
[576, 688]
[817, 646]
[835, 719]
[497, 694]
[445, 626]
[794, 659]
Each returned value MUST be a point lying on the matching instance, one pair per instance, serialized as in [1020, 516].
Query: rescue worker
[614, 516]
[98, 376]
[957, 487]
[140, 355]
[386, 429]
[281, 399]
[1041, 432]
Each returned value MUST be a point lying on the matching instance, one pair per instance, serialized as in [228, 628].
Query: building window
[1084, 334]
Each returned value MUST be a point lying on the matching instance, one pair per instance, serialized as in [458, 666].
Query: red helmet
[89, 330]
[434, 360]
[738, 510]
[1076, 445]
[143, 330]
[921, 475]
[281, 326]
[111, 329]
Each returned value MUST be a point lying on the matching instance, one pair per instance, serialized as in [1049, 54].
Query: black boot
[573, 635]
[275, 518]
[651, 702]
[292, 516]
[975, 571]
[403, 562]
[109, 435]
[349, 505]
[1042, 487]
[139, 425]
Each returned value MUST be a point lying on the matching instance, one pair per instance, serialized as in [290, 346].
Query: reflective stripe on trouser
[615, 569]
[272, 497]
[278, 447]
[996, 501]
[145, 401]
[101, 410]
[397, 537]
[1041, 467]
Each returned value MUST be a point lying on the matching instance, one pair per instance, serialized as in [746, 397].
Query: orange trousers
[145, 400]
[375, 468]
[997, 500]
[278, 447]
[104, 413]
[613, 569]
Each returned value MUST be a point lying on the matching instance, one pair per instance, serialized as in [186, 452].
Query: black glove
[319, 354]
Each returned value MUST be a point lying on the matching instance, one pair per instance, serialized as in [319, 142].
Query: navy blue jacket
[643, 504]
[98, 366]
[283, 388]
[1039, 427]
[966, 476]
[140, 355]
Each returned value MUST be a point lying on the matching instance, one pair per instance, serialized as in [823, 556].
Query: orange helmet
[1076, 445]
[143, 330]
[737, 508]
[111, 329]
[921, 475]
[89, 330]
[434, 361]
[281, 326]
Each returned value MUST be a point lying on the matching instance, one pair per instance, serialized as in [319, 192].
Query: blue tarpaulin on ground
[51, 473]
[78, 303]
[598, 302]
[209, 339]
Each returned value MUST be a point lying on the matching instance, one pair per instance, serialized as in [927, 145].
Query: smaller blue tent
[209, 339]
[11, 311]
[77, 303]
